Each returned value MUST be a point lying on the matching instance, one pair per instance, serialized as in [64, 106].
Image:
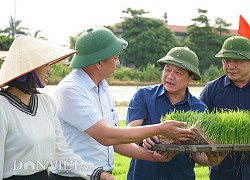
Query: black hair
[28, 87]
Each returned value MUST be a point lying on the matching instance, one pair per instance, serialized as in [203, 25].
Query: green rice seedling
[223, 127]
[190, 117]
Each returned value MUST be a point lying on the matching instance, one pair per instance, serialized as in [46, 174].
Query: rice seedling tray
[202, 148]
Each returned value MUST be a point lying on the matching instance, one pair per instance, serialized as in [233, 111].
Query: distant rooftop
[179, 31]
[183, 29]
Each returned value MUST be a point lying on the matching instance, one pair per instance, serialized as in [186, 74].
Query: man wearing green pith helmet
[231, 92]
[149, 104]
[86, 107]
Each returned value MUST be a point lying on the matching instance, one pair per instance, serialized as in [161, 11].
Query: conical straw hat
[27, 54]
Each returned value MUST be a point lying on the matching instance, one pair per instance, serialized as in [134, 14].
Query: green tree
[151, 73]
[149, 39]
[37, 35]
[206, 40]
[5, 42]
[222, 26]
[14, 28]
[212, 73]
[72, 40]
[59, 71]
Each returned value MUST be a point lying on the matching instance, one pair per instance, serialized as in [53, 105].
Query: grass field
[122, 164]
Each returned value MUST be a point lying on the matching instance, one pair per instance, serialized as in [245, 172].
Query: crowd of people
[74, 133]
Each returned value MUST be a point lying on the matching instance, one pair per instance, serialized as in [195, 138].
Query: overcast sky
[59, 19]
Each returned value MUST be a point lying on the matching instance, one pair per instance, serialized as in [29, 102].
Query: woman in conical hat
[31, 138]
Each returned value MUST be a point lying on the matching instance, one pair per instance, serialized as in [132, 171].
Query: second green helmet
[184, 58]
[235, 47]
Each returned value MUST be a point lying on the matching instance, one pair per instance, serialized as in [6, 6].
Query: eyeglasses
[233, 52]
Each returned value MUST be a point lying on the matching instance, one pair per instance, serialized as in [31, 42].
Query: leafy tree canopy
[8, 34]
[206, 40]
[149, 39]
[5, 42]
[15, 28]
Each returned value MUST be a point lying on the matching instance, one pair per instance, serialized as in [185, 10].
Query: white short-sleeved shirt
[81, 104]
[31, 140]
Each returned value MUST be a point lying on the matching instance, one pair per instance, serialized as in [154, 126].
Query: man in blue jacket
[231, 91]
[150, 103]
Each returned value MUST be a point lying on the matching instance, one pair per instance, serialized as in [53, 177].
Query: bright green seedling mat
[224, 131]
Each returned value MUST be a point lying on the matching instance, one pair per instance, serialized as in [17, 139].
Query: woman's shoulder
[3, 99]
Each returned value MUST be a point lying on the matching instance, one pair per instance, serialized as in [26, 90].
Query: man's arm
[134, 151]
[123, 135]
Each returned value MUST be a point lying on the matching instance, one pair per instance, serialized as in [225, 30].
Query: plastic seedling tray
[202, 148]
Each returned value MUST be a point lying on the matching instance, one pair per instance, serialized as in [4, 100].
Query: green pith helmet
[235, 47]
[184, 58]
[95, 45]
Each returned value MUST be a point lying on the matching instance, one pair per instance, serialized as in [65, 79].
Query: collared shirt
[151, 103]
[30, 139]
[81, 104]
[222, 93]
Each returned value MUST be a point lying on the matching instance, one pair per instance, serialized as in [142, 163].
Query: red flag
[244, 28]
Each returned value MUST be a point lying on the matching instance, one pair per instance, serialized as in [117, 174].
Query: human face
[109, 65]
[43, 74]
[175, 79]
[237, 70]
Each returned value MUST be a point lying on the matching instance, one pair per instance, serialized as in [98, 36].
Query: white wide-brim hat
[27, 53]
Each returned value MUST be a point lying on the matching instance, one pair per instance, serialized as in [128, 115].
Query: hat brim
[187, 66]
[231, 56]
[27, 54]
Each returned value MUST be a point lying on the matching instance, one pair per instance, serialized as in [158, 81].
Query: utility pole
[14, 21]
